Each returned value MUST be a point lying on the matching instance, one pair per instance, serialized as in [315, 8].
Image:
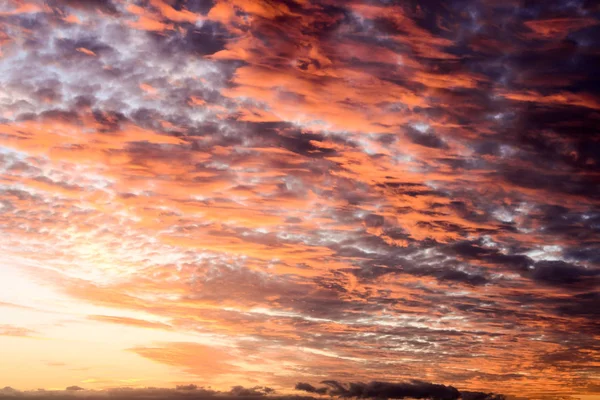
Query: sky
[276, 194]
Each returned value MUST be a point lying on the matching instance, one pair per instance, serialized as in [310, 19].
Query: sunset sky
[266, 192]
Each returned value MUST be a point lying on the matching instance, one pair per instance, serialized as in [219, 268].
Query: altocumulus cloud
[368, 189]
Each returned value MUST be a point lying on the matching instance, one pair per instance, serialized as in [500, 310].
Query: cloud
[129, 321]
[560, 273]
[196, 358]
[256, 391]
[318, 187]
[104, 6]
[414, 389]
[480, 396]
[307, 387]
[191, 392]
[17, 331]
[7, 391]
[187, 387]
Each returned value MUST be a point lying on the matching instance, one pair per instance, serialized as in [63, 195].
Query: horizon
[302, 390]
[378, 199]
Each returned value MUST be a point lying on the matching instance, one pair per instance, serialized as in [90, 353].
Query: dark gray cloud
[307, 387]
[414, 389]
[560, 273]
[105, 6]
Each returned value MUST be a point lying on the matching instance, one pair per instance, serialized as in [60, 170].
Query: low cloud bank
[190, 391]
[413, 389]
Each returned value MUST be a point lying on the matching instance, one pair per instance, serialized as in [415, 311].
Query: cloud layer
[359, 190]
[387, 390]
[379, 390]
